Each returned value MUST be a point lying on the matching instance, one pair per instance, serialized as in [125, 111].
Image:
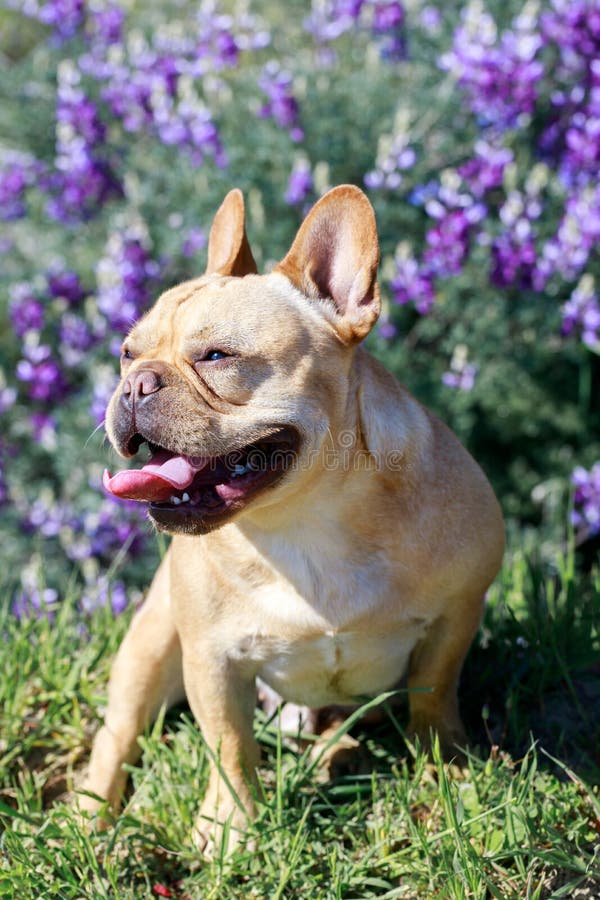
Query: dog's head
[235, 379]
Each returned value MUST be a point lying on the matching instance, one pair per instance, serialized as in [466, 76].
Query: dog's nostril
[141, 383]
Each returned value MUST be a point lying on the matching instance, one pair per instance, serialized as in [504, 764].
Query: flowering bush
[475, 130]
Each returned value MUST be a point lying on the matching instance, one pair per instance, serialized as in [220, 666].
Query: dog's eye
[126, 353]
[214, 355]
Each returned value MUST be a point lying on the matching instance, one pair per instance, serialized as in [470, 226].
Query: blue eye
[214, 355]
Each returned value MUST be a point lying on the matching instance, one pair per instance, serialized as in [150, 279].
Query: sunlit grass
[519, 820]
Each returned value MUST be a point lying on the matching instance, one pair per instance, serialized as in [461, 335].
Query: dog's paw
[452, 739]
[344, 757]
[92, 813]
[218, 831]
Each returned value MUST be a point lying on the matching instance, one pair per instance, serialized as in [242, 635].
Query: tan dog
[330, 533]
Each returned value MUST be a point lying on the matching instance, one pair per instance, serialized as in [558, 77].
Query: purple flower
[423, 193]
[216, 41]
[83, 180]
[65, 285]
[33, 602]
[185, 121]
[392, 161]
[75, 339]
[65, 17]
[514, 257]
[46, 517]
[573, 25]
[386, 329]
[586, 499]
[12, 188]
[42, 373]
[332, 18]
[18, 172]
[104, 593]
[567, 253]
[581, 313]
[300, 183]
[26, 311]
[126, 277]
[462, 381]
[448, 242]
[456, 214]
[413, 283]
[431, 19]
[485, 170]
[153, 87]
[514, 253]
[43, 430]
[105, 25]
[195, 240]
[499, 77]
[103, 386]
[118, 598]
[113, 528]
[8, 396]
[461, 375]
[388, 22]
[4, 492]
[387, 15]
[572, 138]
[281, 105]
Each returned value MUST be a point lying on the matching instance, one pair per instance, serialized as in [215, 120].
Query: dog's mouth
[180, 489]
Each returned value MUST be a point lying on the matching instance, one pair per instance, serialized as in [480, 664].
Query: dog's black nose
[139, 384]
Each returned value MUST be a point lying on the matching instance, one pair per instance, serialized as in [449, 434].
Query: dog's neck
[310, 550]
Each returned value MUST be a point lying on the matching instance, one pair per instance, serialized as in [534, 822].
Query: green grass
[522, 820]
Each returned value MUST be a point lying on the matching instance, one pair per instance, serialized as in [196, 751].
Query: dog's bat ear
[394, 427]
[335, 257]
[229, 252]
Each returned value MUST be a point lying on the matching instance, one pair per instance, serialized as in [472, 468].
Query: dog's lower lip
[221, 493]
[226, 484]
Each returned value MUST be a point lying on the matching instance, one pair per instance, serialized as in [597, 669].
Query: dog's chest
[352, 640]
[336, 667]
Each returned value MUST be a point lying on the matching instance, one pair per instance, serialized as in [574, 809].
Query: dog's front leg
[146, 675]
[223, 701]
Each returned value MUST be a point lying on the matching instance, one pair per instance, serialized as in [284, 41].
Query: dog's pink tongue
[157, 480]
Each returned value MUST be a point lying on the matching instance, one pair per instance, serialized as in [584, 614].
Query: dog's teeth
[185, 497]
[175, 500]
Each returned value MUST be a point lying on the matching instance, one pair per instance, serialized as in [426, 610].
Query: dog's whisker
[95, 431]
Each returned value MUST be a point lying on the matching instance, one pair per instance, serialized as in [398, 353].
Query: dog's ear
[229, 252]
[335, 256]
[394, 427]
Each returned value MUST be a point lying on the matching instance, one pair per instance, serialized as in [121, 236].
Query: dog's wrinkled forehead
[254, 312]
[326, 283]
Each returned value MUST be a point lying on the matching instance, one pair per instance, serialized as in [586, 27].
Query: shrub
[476, 132]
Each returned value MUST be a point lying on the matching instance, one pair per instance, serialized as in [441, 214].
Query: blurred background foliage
[475, 130]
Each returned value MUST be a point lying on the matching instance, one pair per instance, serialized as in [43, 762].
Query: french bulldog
[330, 534]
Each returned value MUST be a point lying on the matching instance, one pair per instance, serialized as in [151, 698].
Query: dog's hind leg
[146, 674]
[434, 672]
